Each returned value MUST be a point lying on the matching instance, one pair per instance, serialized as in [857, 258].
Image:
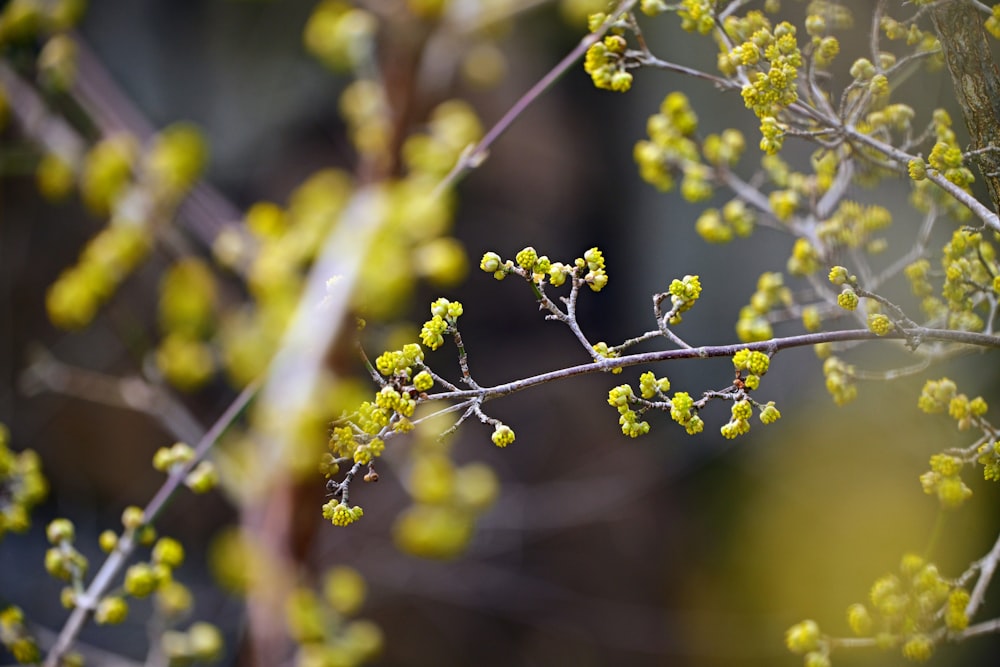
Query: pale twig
[915, 253]
[986, 565]
[984, 628]
[771, 347]
[647, 59]
[980, 210]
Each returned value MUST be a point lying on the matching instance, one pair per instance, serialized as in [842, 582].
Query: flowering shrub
[259, 303]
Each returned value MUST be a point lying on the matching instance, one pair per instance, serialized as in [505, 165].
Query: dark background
[601, 550]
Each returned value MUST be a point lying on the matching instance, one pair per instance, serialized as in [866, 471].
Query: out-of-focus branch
[205, 212]
[46, 373]
[116, 560]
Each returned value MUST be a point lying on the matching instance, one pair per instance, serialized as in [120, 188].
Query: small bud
[60, 530]
[111, 610]
[133, 517]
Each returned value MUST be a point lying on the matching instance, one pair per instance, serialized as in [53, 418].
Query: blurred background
[598, 550]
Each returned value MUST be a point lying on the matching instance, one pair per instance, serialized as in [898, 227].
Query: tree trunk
[974, 75]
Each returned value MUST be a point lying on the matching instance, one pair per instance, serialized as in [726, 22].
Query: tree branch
[772, 346]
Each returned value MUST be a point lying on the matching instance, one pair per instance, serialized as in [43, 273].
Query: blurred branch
[205, 212]
[771, 347]
[116, 560]
[46, 373]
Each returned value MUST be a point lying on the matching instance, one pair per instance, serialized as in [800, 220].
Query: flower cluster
[847, 299]
[772, 89]
[771, 293]
[805, 258]
[340, 36]
[16, 638]
[683, 411]
[944, 481]
[62, 560]
[905, 612]
[880, 324]
[22, 486]
[606, 352]
[989, 458]
[538, 269]
[452, 127]
[852, 225]
[447, 498]
[947, 159]
[905, 609]
[74, 298]
[653, 395]
[672, 151]
[622, 397]
[683, 295]
[148, 578]
[605, 63]
[340, 513]
[503, 435]
[735, 218]
[939, 396]
[970, 266]
[321, 620]
[840, 380]
[697, 15]
[755, 363]
[187, 304]
[444, 315]
[176, 457]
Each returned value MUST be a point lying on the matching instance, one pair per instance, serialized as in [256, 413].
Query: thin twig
[770, 346]
[987, 565]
